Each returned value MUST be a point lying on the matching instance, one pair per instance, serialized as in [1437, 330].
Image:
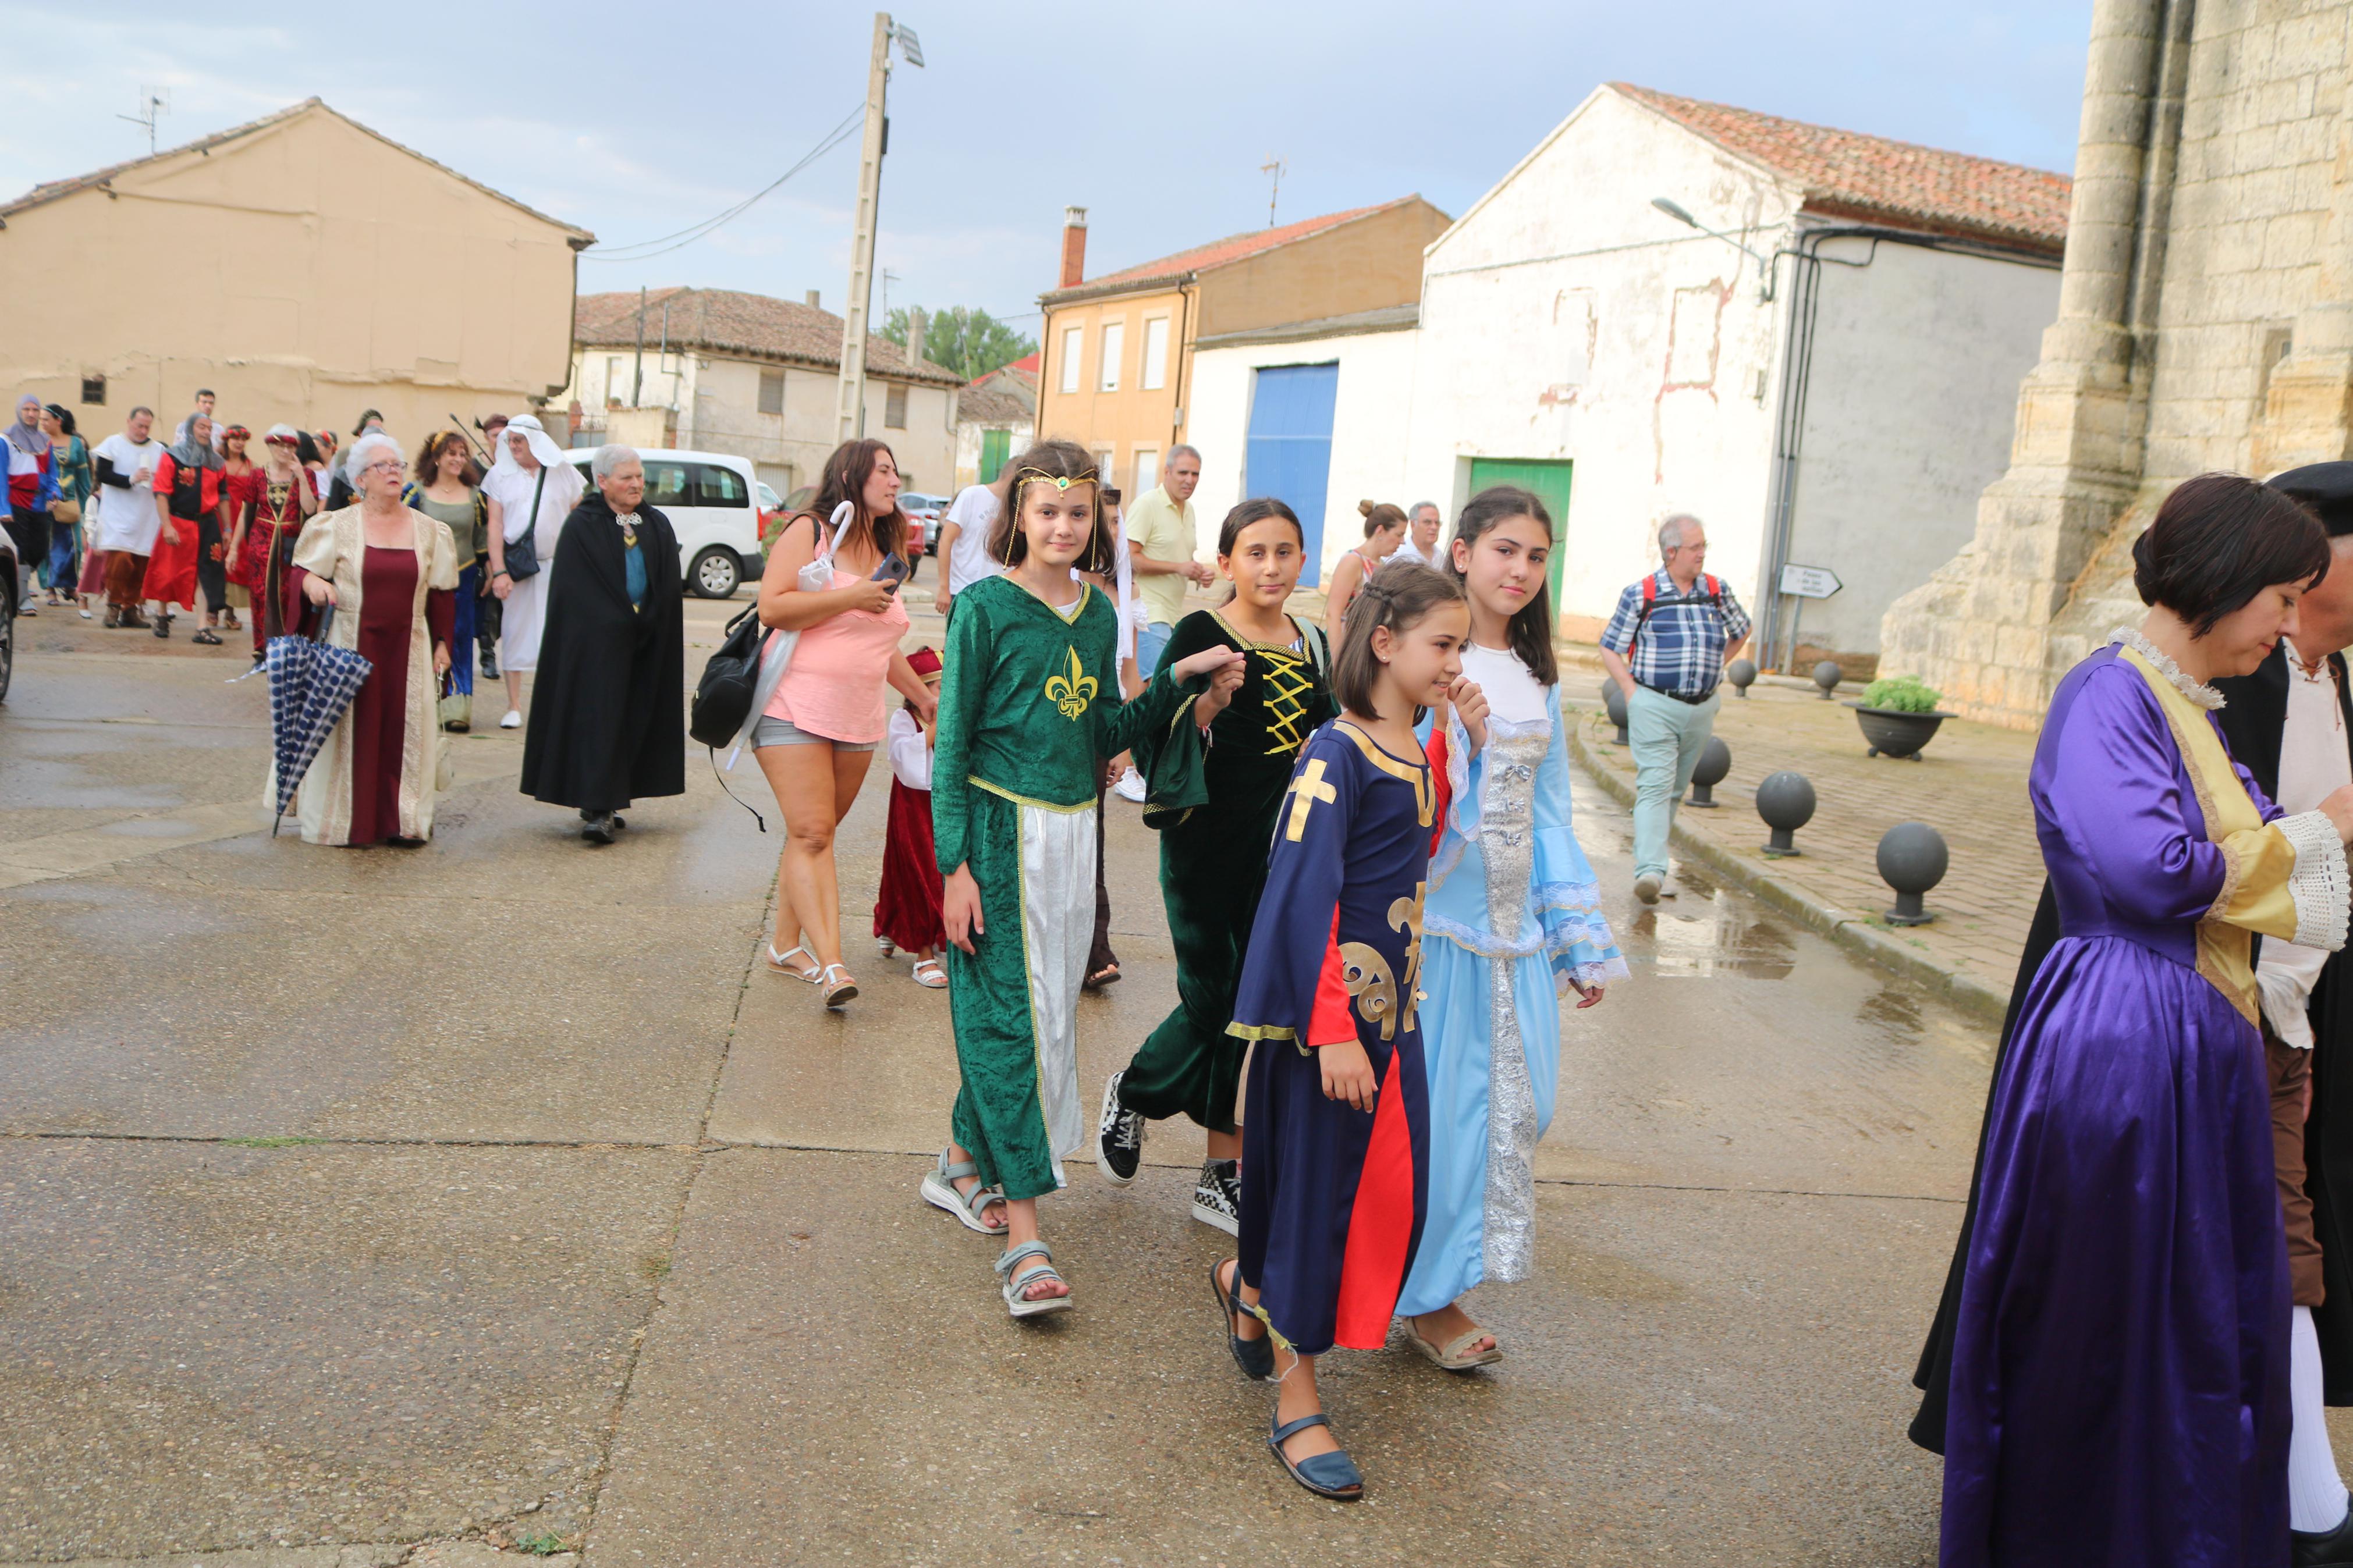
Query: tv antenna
[154, 102]
[1274, 170]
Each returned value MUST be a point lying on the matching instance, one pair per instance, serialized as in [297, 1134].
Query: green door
[1550, 481]
[996, 446]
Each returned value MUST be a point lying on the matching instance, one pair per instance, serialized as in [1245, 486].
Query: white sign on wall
[1810, 581]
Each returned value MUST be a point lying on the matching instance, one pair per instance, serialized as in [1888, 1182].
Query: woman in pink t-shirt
[818, 734]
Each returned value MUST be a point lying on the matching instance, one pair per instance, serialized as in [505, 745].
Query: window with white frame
[1075, 344]
[1154, 374]
[1115, 342]
[1147, 471]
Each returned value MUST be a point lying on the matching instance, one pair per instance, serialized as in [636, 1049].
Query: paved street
[383, 1206]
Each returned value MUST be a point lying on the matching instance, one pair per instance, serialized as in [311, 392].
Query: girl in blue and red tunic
[1335, 1155]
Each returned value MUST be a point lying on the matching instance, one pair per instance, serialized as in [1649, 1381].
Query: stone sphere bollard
[1742, 674]
[1715, 762]
[1827, 675]
[1912, 859]
[1785, 801]
[1613, 703]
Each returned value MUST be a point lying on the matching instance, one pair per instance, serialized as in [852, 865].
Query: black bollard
[1613, 703]
[1912, 859]
[1741, 673]
[1785, 801]
[1715, 762]
[1827, 675]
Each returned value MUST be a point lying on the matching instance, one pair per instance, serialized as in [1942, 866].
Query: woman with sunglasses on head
[390, 572]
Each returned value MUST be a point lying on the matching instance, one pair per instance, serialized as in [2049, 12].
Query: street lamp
[1676, 211]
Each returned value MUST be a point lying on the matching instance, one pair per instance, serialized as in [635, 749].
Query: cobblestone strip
[1973, 972]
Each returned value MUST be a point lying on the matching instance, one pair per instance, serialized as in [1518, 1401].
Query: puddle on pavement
[1704, 934]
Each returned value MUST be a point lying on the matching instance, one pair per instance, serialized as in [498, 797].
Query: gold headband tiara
[1060, 482]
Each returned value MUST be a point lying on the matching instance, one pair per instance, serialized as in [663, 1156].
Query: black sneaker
[1119, 1137]
[2323, 1549]
[490, 667]
[596, 827]
[1217, 1195]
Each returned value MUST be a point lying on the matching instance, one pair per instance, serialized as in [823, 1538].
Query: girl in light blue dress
[1512, 923]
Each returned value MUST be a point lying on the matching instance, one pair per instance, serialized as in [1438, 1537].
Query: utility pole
[851, 407]
[638, 388]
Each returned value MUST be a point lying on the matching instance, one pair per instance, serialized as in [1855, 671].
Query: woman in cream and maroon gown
[392, 575]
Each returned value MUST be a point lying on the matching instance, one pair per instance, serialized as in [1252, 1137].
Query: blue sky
[1154, 117]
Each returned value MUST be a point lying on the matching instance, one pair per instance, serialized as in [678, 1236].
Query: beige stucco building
[753, 377]
[2205, 321]
[302, 267]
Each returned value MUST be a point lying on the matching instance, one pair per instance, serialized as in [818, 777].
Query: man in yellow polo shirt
[1160, 541]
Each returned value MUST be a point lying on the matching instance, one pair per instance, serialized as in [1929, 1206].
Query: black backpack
[722, 698]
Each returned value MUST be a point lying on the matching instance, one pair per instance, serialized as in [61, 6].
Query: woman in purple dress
[2119, 1384]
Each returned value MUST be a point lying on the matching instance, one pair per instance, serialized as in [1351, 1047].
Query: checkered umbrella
[311, 686]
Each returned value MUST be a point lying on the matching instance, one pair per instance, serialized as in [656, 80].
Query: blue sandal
[1017, 1304]
[1255, 1357]
[939, 1190]
[1331, 1475]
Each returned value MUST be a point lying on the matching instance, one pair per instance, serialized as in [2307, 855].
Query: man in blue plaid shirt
[1665, 648]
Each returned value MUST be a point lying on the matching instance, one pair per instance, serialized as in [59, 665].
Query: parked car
[7, 613]
[921, 513]
[772, 508]
[708, 497]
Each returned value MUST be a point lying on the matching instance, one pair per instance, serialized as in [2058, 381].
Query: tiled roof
[1848, 175]
[1004, 396]
[727, 321]
[580, 238]
[1218, 253]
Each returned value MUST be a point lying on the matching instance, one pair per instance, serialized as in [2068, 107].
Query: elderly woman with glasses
[608, 709]
[390, 574]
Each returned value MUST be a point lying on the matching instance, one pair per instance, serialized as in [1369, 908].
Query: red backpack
[1714, 596]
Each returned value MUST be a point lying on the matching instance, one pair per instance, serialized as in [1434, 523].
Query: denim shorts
[774, 732]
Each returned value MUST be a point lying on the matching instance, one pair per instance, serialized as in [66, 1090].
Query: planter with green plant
[1898, 714]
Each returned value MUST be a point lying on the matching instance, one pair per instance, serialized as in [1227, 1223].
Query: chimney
[812, 299]
[916, 334]
[1075, 246]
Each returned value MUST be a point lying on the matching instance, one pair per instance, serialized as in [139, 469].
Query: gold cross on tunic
[1307, 787]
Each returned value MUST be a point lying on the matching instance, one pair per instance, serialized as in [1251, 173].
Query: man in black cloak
[607, 709]
[2297, 702]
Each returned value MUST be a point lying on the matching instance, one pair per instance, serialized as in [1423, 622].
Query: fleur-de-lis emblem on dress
[1071, 690]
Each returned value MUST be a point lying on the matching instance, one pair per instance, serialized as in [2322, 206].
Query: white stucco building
[1361, 366]
[756, 377]
[1839, 404]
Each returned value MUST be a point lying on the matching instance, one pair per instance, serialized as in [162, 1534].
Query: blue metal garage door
[1289, 451]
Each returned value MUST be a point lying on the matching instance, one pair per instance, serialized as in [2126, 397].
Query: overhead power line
[661, 245]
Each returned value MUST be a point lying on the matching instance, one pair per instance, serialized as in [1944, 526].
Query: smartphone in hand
[893, 570]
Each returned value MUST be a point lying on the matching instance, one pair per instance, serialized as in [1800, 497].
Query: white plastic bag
[778, 652]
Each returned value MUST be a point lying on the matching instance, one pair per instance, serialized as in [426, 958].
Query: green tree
[967, 341]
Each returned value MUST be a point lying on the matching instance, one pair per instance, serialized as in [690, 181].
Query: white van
[710, 499]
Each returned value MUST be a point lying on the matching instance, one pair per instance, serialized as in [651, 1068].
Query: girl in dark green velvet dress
[1213, 857]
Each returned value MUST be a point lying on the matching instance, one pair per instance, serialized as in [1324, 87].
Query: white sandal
[837, 992]
[930, 975]
[782, 963]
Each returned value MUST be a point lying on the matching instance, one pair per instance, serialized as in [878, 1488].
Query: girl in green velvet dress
[1213, 858]
[1030, 708]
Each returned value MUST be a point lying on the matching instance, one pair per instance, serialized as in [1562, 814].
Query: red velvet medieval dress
[907, 911]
